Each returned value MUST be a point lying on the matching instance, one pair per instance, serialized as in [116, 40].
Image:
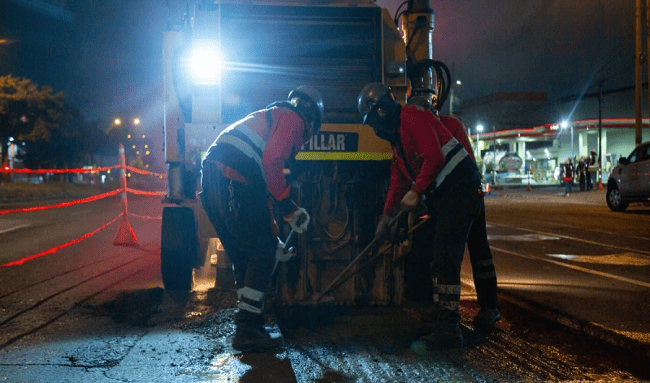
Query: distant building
[540, 132]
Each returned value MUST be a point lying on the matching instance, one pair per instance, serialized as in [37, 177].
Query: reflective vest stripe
[243, 147]
[453, 157]
[253, 136]
[446, 148]
[250, 300]
[250, 308]
[250, 293]
[455, 305]
[448, 296]
[449, 289]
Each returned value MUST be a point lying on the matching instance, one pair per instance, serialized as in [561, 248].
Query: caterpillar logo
[332, 142]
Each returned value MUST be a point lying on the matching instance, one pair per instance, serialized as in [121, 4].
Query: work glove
[383, 227]
[411, 200]
[282, 255]
[298, 220]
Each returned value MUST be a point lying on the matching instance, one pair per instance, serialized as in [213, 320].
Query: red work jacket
[278, 138]
[458, 130]
[422, 136]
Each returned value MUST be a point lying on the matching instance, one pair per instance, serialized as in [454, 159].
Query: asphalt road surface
[574, 255]
[573, 281]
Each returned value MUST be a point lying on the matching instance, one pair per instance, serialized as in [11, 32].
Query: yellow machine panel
[348, 142]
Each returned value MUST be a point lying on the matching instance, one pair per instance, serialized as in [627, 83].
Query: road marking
[521, 237]
[574, 267]
[625, 259]
[600, 244]
[592, 230]
[15, 228]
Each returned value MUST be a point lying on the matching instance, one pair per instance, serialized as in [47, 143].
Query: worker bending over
[480, 255]
[428, 164]
[242, 177]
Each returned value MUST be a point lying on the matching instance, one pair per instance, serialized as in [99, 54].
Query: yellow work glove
[411, 200]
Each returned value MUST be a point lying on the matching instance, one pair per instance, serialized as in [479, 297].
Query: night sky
[106, 55]
[557, 46]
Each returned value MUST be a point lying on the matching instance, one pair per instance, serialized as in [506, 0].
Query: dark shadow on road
[267, 367]
[639, 211]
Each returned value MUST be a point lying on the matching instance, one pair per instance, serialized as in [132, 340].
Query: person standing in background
[593, 168]
[582, 174]
[567, 177]
[589, 181]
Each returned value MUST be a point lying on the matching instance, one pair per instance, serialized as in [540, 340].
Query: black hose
[398, 14]
[443, 78]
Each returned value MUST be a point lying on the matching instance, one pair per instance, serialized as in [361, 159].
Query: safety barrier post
[125, 235]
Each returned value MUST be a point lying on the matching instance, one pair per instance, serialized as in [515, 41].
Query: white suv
[629, 181]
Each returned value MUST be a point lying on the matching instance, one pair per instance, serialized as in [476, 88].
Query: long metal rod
[335, 282]
[378, 254]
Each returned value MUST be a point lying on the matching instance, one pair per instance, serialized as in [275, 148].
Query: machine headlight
[205, 62]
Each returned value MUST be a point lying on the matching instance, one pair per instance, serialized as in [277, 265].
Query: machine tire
[178, 248]
[614, 200]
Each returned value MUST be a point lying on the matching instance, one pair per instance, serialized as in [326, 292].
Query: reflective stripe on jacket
[258, 150]
[431, 151]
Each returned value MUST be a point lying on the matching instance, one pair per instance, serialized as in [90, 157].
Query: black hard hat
[369, 98]
[312, 103]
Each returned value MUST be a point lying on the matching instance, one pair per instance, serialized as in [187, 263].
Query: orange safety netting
[57, 248]
[62, 204]
[56, 171]
[123, 189]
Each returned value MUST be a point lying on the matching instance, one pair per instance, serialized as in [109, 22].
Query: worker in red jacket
[428, 164]
[242, 178]
[483, 271]
[480, 255]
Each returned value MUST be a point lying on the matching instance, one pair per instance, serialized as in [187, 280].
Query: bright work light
[205, 62]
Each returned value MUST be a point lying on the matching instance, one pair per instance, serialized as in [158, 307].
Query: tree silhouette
[28, 112]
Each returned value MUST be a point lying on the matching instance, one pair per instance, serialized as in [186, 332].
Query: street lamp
[479, 129]
[452, 99]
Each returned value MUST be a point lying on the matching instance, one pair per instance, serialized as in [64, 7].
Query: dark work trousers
[485, 277]
[241, 217]
[417, 268]
[455, 205]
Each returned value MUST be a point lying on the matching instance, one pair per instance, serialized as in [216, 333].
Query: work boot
[426, 317]
[486, 318]
[252, 336]
[446, 333]
[445, 336]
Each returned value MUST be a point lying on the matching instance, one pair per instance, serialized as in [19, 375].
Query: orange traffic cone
[125, 235]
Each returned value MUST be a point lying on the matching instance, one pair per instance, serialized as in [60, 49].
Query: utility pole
[647, 60]
[637, 74]
[494, 158]
[600, 120]
[600, 90]
[451, 89]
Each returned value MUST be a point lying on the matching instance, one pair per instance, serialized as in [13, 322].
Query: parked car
[629, 181]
